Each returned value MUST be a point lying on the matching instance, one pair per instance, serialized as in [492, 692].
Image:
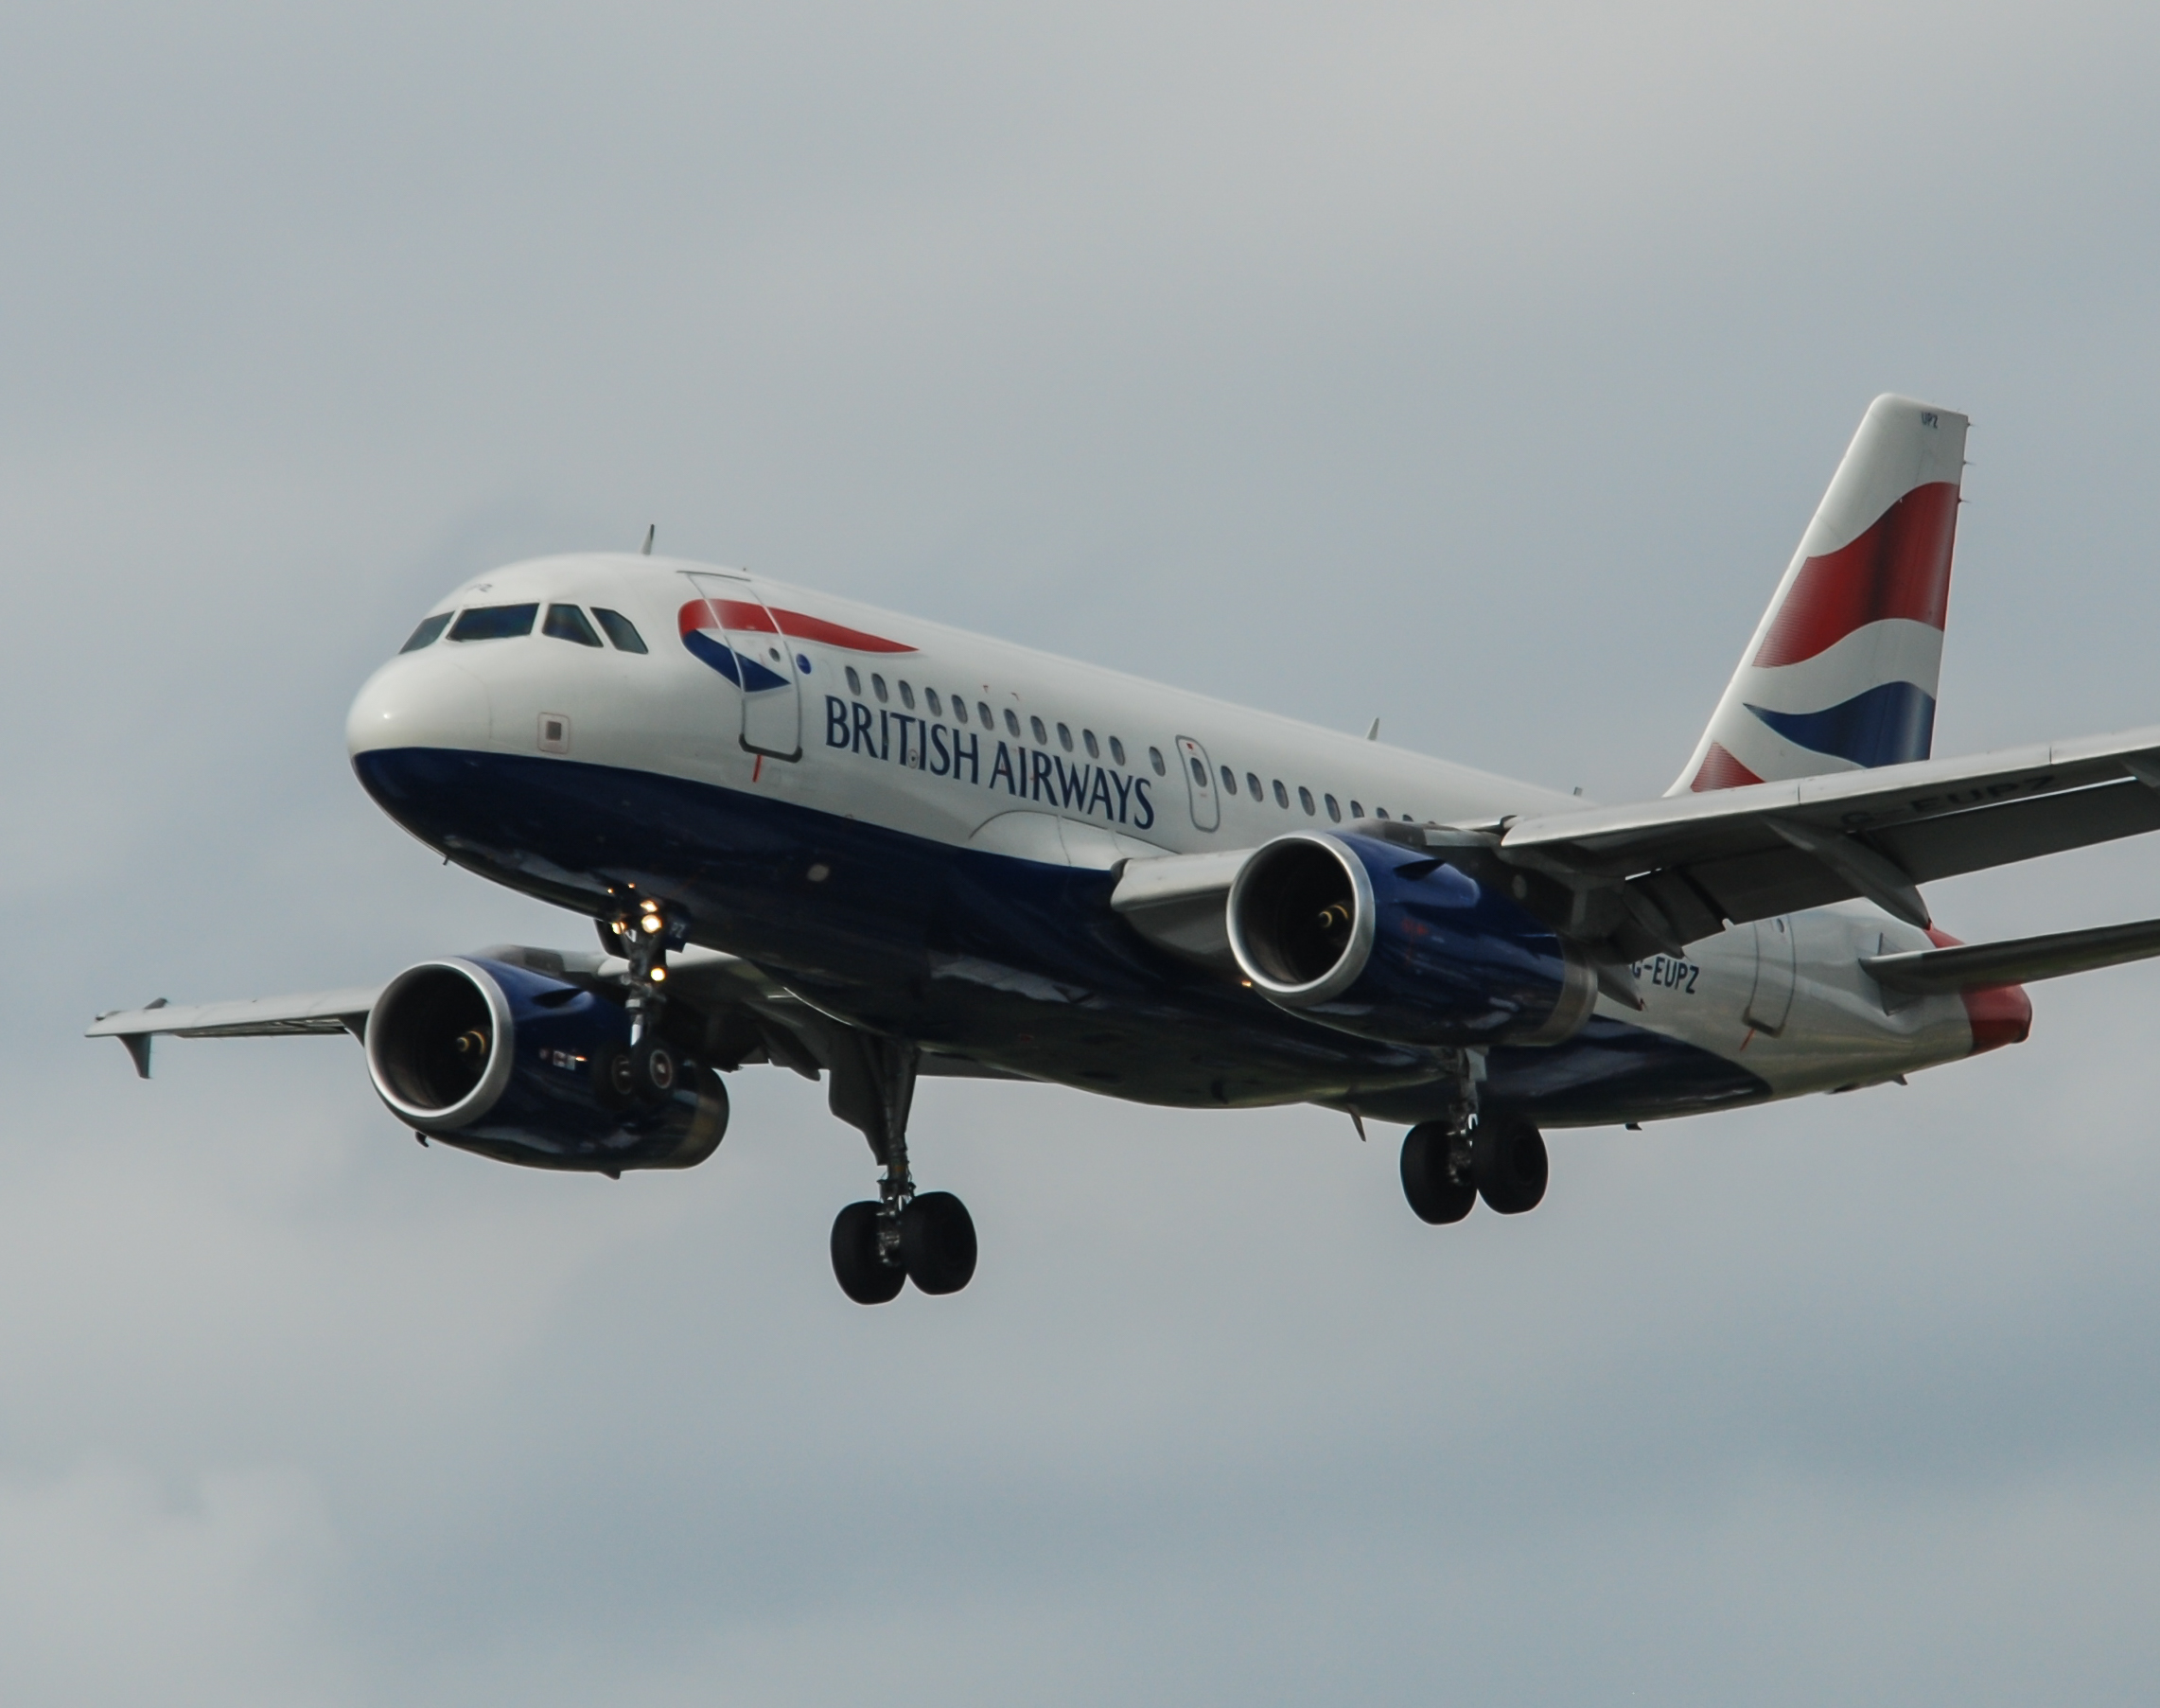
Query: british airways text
[899, 737]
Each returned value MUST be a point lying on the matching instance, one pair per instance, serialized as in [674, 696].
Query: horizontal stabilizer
[1973, 966]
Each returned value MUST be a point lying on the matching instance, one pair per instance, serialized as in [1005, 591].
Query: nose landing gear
[927, 1237]
[643, 935]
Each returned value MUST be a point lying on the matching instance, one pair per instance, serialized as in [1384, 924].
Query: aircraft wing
[1660, 874]
[256, 1017]
[1665, 872]
[320, 1012]
[787, 1031]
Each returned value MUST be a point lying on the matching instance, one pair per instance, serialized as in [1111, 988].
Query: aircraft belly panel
[1020, 964]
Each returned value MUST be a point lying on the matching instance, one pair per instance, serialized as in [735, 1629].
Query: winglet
[138, 1044]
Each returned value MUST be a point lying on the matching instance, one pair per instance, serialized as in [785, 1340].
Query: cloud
[114, 1590]
[1473, 366]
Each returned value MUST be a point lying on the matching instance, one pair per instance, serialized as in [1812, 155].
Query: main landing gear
[1447, 1169]
[1449, 1164]
[927, 1237]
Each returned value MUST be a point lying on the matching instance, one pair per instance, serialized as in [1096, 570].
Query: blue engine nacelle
[514, 1064]
[1390, 943]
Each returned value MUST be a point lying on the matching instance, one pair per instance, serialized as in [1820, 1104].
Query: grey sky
[1476, 366]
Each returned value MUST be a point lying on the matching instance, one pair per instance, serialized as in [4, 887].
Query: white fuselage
[878, 720]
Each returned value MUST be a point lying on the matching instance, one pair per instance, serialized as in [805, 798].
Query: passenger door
[760, 661]
[1772, 999]
[1199, 783]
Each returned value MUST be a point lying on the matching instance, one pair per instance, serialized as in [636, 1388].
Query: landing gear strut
[1449, 1164]
[647, 1071]
[927, 1237]
[643, 935]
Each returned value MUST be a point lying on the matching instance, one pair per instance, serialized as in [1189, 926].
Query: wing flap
[2022, 830]
[1682, 866]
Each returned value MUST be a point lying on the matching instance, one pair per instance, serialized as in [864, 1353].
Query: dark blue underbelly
[1020, 965]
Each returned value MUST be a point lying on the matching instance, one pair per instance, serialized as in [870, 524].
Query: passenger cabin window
[1064, 738]
[1199, 771]
[877, 683]
[1042, 736]
[1282, 795]
[430, 631]
[908, 696]
[494, 622]
[1334, 812]
[930, 699]
[567, 623]
[1357, 811]
[619, 629]
[1155, 759]
[1117, 749]
[854, 681]
[1012, 723]
[1088, 737]
[959, 710]
[1253, 784]
[982, 710]
[1304, 799]
[1379, 812]
[1229, 781]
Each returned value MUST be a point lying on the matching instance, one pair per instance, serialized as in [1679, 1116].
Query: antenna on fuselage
[1374, 733]
[646, 550]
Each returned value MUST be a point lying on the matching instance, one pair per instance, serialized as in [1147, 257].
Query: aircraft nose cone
[418, 702]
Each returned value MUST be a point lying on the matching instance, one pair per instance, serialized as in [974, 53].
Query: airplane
[869, 848]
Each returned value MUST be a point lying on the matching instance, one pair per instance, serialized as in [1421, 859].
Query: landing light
[650, 922]
[659, 975]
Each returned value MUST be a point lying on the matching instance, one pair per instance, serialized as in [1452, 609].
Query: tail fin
[1842, 673]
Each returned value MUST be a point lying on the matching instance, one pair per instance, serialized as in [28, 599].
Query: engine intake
[527, 1068]
[1371, 938]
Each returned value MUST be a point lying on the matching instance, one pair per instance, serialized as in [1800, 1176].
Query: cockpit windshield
[494, 622]
[428, 632]
[567, 623]
[619, 629]
[508, 621]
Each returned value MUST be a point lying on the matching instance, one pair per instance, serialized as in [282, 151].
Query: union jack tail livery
[1841, 671]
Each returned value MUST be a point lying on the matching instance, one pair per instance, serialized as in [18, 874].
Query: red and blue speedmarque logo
[706, 626]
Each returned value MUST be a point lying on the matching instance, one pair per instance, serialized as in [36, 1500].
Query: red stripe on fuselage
[746, 616]
[1900, 567]
[1998, 1014]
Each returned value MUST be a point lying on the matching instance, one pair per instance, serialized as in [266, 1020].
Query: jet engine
[1370, 937]
[523, 1068]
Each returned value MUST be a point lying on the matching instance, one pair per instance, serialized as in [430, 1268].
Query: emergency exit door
[1199, 783]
